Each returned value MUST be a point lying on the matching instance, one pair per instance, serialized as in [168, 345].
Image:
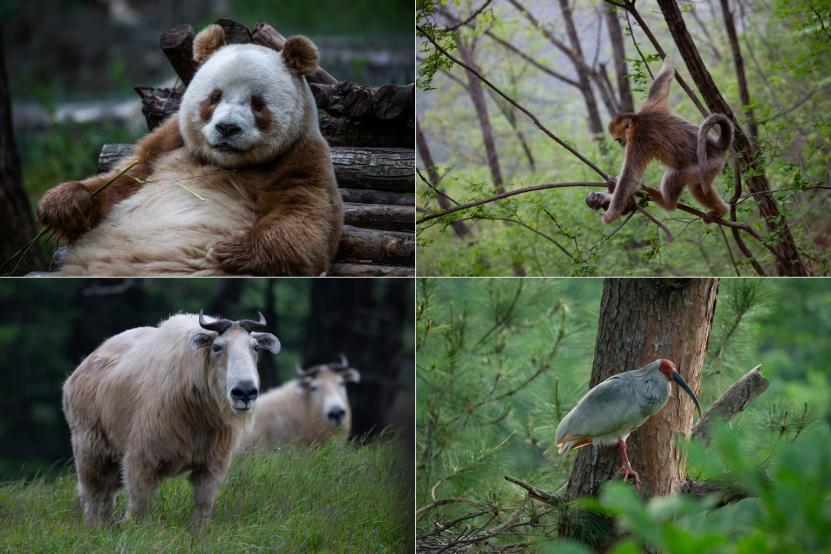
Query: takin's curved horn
[342, 365]
[219, 326]
[311, 372]
[251, 325]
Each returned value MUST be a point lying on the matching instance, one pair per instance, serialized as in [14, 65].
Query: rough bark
[385, 103]
[366, 196]
[376, 247]
[16, 225]
[788, 261]
[370, 270]
[377, 216]
[380, 169]
[642, 320]
[734, 400]
[177, 45]
[625, 99]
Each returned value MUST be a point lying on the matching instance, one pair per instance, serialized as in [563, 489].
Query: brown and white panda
[240, 183]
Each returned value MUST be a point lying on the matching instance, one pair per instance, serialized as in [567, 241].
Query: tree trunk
[268, 363]
[642, 320]
[477, 96]
[744, 93]
[788, 261]
[17, 227]
[627, 103]
[459, 227]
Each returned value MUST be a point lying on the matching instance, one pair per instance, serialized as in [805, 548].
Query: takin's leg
[98, 478]
[206, 481]
[141, 482]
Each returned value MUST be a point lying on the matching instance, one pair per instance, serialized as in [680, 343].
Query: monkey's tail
[725, 139]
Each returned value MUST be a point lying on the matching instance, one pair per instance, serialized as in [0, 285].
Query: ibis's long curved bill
[683, 384]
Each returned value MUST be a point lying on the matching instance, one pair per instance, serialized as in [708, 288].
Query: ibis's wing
[610, 406]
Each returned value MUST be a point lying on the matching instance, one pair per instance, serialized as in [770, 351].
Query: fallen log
[391, 169]
[366, 196]
[386, 169]
[345, 131]
[371, 246]
[177, 45]
[369, 270]
[386, 102]
[379, 216]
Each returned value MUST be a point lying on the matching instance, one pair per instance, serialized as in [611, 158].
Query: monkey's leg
[710, 199]
[672, 184]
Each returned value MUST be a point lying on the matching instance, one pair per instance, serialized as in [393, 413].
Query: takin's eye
[216, 349]
[257, 103]
[215, 96]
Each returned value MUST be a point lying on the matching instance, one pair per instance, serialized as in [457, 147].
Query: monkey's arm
[630, 177]
[658, 98]
[71, 209]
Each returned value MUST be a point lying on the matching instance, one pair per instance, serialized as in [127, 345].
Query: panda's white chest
[169, 224]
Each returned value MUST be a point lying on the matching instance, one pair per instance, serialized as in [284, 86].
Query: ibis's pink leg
[626, 468]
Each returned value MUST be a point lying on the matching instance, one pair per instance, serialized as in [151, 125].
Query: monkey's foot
[627, 470]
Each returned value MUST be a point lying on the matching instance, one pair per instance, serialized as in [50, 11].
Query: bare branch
[734, 400]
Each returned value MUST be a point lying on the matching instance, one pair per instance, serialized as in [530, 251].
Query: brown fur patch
[207, 106]
[209, 40]
[300, 55]
[262, 115]
[301, 214]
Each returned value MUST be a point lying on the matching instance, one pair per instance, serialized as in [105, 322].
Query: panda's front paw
[70, 209]
[237, 254]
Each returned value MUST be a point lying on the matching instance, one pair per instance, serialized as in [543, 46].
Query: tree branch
[733, 401]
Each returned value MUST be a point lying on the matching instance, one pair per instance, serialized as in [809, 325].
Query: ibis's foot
[627, 470]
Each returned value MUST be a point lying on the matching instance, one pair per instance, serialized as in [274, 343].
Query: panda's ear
[209, 40]
[300, 55]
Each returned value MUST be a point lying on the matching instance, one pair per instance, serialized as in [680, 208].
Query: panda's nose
[228, 129]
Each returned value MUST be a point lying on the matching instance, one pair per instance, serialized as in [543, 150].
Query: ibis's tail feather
[573, 442]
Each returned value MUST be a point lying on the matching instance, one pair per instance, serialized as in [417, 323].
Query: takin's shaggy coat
[305, 411]
[154, 402]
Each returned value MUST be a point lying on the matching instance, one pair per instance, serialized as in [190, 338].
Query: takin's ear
[300, 55]
[200, 340]
[305, 382]
[209, 40]
[267, 341]
[351, 375]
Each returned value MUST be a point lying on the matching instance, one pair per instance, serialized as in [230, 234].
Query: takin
[154, 402]
[307, 410]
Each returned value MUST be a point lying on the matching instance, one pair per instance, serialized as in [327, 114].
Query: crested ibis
[609, 412]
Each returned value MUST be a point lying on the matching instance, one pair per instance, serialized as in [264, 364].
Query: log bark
[366, 196]
[158, 103]
[734, 400]
[384, 169]
[389, 169]
[378, 247]
[642, 320]
[385, 103]
[369, 270]
[177, 45]
[788, 260]
[378, 216]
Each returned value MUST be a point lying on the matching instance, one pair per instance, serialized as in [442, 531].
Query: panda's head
[247, 103]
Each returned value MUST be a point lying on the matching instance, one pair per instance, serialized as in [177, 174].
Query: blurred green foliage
[478, 339]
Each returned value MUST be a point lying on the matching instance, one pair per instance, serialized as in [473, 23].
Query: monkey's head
[622, 127]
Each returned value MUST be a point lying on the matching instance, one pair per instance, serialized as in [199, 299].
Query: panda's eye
[215, 96]
[257, 103]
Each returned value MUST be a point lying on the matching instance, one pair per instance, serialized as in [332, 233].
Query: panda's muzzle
[228, 130]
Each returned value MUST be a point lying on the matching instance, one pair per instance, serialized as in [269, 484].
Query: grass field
[337, 498]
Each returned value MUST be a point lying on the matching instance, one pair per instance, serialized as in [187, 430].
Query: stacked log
[370, 129]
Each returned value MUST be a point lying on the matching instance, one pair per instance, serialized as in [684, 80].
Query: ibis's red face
[667, 367]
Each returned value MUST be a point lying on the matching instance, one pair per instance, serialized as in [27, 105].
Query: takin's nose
[336, 416]
[228, 129]
[245, 392]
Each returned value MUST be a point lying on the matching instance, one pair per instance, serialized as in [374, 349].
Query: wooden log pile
[371, 131]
